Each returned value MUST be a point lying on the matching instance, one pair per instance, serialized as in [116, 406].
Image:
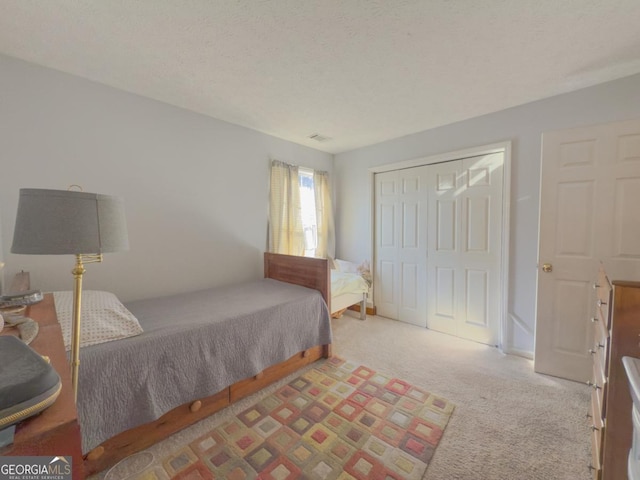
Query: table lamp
[61, 222]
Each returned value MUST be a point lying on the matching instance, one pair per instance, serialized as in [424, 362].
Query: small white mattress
[343, 282]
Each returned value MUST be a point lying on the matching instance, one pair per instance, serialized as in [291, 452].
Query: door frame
[500, 147]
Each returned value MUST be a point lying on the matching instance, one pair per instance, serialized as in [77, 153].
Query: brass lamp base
[77, 272]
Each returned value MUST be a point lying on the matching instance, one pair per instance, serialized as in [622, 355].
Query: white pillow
[346, 266]
[104, 318]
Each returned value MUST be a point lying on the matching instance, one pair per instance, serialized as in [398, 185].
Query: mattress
[194, 345]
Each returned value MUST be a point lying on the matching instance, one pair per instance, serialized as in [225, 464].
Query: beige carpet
[509, 422]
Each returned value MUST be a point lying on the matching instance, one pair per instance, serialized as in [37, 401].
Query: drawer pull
[588, 415]
[596, 286]
[594, 319]
[601, 303]
[95, 454]
[594, 428]
[591, 467]
[599, 345]
[594, 385]
[592, 351]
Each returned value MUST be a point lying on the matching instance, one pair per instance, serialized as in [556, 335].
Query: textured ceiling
[357, 71]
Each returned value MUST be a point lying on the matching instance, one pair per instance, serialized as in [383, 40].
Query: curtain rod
[274, 161]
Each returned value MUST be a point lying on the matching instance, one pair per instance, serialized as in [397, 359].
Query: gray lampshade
[58, 222]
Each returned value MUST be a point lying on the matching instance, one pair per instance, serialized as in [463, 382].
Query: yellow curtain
[326, 236]
[286, 234]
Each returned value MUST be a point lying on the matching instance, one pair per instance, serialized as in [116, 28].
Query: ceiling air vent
[319, 138]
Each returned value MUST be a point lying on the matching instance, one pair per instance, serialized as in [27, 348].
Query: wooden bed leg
[326, 351]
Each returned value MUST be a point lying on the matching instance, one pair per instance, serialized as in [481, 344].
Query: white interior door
[401, 252]
[465, 247]
[589, 198]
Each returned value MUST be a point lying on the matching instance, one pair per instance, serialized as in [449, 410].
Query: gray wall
[195, 188]
[523, 125]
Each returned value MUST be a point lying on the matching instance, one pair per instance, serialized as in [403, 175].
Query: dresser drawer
[596, 453]
[600, 349]
[600, 322]
[597, 435]
[603, 297]
[599, 383]
[603, 286]
[603, 313]
[596, 411]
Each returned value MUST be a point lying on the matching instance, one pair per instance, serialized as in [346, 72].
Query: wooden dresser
[617, 334]
[54, 432]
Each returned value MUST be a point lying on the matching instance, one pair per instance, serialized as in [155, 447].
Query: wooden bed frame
[309, 272]
[312, 273]
[346, 300]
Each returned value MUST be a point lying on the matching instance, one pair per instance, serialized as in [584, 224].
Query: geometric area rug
[336, 421]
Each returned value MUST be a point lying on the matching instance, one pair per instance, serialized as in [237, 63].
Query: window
[300, 212]
[308, 209]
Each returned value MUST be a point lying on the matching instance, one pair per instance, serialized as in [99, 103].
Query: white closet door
[438, 246]
[481, 237]
[444, 271]
[465, 247]
[387, 288]
[401, 252]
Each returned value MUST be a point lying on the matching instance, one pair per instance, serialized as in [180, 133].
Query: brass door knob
[547, 267]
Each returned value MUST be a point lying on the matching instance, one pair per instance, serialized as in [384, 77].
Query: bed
[339, 281]
[184, 367]
[349, 287]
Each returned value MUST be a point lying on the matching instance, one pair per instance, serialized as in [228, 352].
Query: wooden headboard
[305, 271]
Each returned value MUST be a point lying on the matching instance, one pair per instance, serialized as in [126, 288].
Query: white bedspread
[343, 282]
